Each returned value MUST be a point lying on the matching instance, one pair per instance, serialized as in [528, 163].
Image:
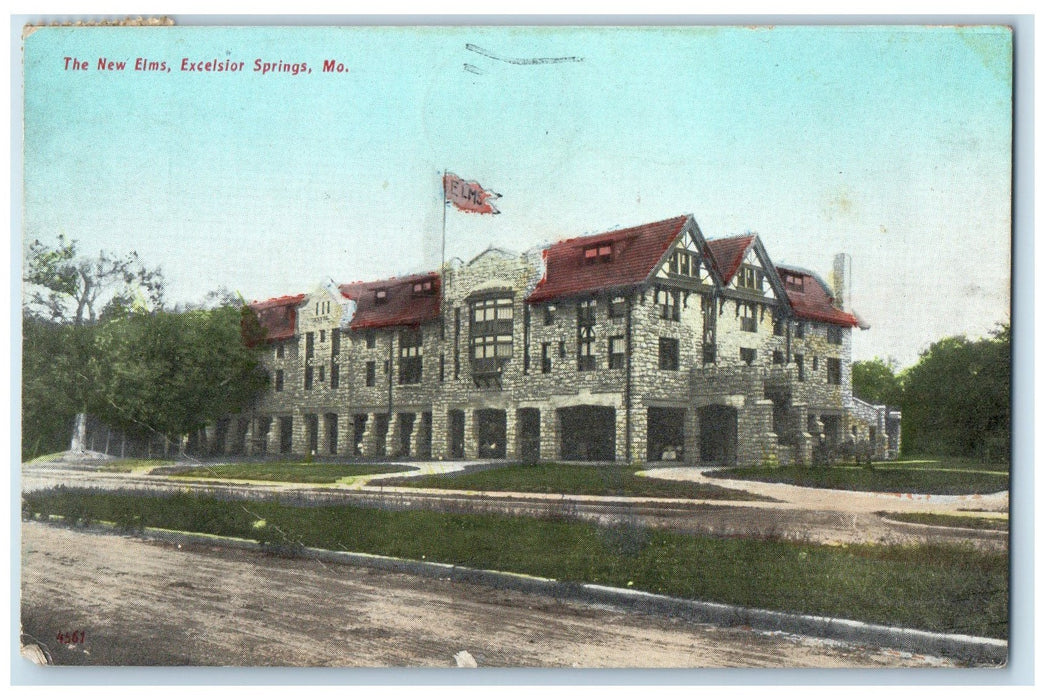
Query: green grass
[939, 587]
[944, 476]
[579, 479]
[293, 472]
[945, 520]
[131, 465]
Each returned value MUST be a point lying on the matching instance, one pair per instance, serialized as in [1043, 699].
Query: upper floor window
[778, 325]
[423, 288]
[800, 364]
[618, 306]
[748, 355]
[335, 375]
[669, 354]
[279, 380]
[668, 302]
[279, 350]
[586, 312]
[684, 263]
[778, 357]
[585, 348]
[750, 278]
[834, 335]
[598, 253]
[493, 309]
[549, 314]
[794, 283]
[310, 347]
[546, 358]
[748, 318]
[308, 378]
[322, 336]
[371, 339]
[800, 330]
[834, 370]
[371, 373]
[410, 350]
[617, 352]
[380, 296]
[335, 342]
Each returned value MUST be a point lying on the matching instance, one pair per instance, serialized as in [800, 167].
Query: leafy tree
[172, 373]
[68, 287]
[956, 398]
[875, 381]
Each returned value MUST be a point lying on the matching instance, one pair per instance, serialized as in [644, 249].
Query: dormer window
[422, 288]
[380, 296]
[793, 283]
[749, 278]
[598, 253]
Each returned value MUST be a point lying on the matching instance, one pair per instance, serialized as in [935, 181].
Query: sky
[891, 144]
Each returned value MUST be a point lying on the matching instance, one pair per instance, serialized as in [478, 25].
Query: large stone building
[642, 344]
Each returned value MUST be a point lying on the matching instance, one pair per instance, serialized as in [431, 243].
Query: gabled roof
[401, 306]
[278, 315]
[728, 253]
[814, 302]
[635, 254]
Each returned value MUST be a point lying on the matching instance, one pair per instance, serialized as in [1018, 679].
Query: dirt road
[145, 603]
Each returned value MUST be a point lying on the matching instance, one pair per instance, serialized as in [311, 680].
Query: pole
[442, 263]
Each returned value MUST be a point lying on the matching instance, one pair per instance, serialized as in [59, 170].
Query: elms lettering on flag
[469, 196]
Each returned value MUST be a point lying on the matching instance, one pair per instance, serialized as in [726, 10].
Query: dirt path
[144, 603]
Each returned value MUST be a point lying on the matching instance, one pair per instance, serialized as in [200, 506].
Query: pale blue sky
[890, 143]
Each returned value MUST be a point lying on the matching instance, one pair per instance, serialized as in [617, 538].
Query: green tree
[166, 373]
[956, 398]
[875, 381]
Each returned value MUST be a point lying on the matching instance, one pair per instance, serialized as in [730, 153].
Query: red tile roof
[278, 316]
[401, 306]
[636, 251]
[728, 253]
[814, 301]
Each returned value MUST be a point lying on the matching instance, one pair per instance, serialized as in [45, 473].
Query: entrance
[664, 433]
[406, 429]
[528, 428]
[588, 432]
[456, 428]
[331, 425]
[286, 434]
[718, 434]
[358, 429]
[312, 432]
[491, 427]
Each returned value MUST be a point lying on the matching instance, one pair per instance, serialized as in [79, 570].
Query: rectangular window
[546, 358]
[778, 357]
[748, 318]
[410, 351]
[423, 288]
[322, 372]
[308, 378]
[586, 312]
[617, 352]
[279, 350]
[279, 380]
[549, 314]
[585, 348]
[380, 296]
[618, 306]
[669, 353]
[486, 310]
[322, 336]
[371, 373]
[800, 364]
[816, 364]
[335, 342]
[747, 356]
[793, 282]
[371, 340]
[834, 335]
[834, 370]
[778, 326]
[335, 375]
[457, 342]
[749, 278]
[668, 301]
[442, 368]
[800, 330]
[310, 346]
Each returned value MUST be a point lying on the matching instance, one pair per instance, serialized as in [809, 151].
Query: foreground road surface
[144, 603]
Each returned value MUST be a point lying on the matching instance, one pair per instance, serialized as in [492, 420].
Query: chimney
[840, 281]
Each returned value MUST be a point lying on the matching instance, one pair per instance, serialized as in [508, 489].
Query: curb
[975, 651]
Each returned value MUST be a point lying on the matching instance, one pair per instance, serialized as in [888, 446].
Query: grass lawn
[945, 520]
[939, 587]
[293, 472]
[932, 476]
[608, 480]
[132, 465]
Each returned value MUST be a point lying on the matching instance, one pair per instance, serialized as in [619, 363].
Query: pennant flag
[468, 196]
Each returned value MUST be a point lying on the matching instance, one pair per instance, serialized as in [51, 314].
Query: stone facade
[705, 355]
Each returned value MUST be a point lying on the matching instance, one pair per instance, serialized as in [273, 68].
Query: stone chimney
[840, 281]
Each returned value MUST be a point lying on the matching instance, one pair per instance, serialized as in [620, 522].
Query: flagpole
[442, 261]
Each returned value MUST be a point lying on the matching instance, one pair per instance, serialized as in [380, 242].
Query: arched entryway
[718, 434]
